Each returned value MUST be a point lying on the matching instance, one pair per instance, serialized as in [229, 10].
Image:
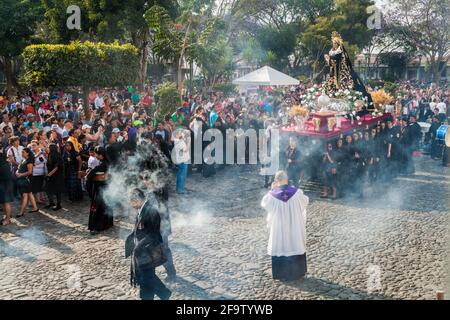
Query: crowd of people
[51, 146]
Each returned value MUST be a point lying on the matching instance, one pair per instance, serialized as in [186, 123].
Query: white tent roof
[266, 76]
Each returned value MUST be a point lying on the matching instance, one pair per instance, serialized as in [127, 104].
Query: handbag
[149, 255]
[146, 253]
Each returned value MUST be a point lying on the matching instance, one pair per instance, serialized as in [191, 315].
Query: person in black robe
[55, 177]
[377, 154]
[72, 165]
[368, 154]
[144, 241]
[100, 218]
[339, 157]
[357, 169]
[329, 172]
[394, 154]
[293, 162]
[436, 145]
[414, 136]
[346, 165]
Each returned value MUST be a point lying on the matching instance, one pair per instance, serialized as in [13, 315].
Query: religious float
[338, 107]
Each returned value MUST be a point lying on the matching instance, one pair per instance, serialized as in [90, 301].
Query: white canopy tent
[266, 76]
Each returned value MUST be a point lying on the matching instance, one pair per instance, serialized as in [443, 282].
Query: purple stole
[284, 193]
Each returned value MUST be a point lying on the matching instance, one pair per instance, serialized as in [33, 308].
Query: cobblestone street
[390, 245]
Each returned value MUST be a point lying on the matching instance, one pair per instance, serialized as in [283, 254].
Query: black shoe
[166, 296]
[56, 208]
[49, 206]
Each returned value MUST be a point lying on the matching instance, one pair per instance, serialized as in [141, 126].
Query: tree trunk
[7, 67]
[180, 60]
[143, 58]
[435, 71]
[87, 109]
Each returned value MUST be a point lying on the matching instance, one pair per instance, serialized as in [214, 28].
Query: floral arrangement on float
[300, 114]
[341, 101]
[381, 99]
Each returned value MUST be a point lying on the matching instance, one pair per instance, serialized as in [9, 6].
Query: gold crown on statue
[336, 37]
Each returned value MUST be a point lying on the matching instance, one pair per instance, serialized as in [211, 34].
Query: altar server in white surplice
[286, 220]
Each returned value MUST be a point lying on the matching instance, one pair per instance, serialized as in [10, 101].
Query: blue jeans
[181, 177]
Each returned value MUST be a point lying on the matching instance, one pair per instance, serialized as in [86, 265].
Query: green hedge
[80, 64]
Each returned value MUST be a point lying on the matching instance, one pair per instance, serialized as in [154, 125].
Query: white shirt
[15, 153]
[93, 162]
[60, 131]
[40, 165]
[99, 102]
[286, 222]
[432, 106]
[442, 107]
[9, 124]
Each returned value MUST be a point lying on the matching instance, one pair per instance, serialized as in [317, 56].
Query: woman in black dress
[23, 183]
[99, 217]
[6, 187]
[72, 164]
[55, 177]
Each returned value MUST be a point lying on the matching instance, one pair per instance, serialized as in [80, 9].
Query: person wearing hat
[114, 147]
[178, 118]
[31, 119]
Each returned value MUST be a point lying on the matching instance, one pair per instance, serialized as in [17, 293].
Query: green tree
[396, 62]
[349, 18]
[279, 43]
[17, 24]
[107, 21]
[168, 97]
[425, 26]
[79, 64]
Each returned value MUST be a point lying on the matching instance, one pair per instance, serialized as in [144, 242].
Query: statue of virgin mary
[341, 73]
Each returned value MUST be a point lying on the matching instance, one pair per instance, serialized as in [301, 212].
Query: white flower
[358, 118]
[354, 112]
[354, 98]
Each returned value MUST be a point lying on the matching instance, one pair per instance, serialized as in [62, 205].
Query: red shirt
[147, 101]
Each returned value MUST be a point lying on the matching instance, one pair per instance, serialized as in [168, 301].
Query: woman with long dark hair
[99, 217]
[39, 171]
[55, 177]
[23, 183]
[72, 164]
